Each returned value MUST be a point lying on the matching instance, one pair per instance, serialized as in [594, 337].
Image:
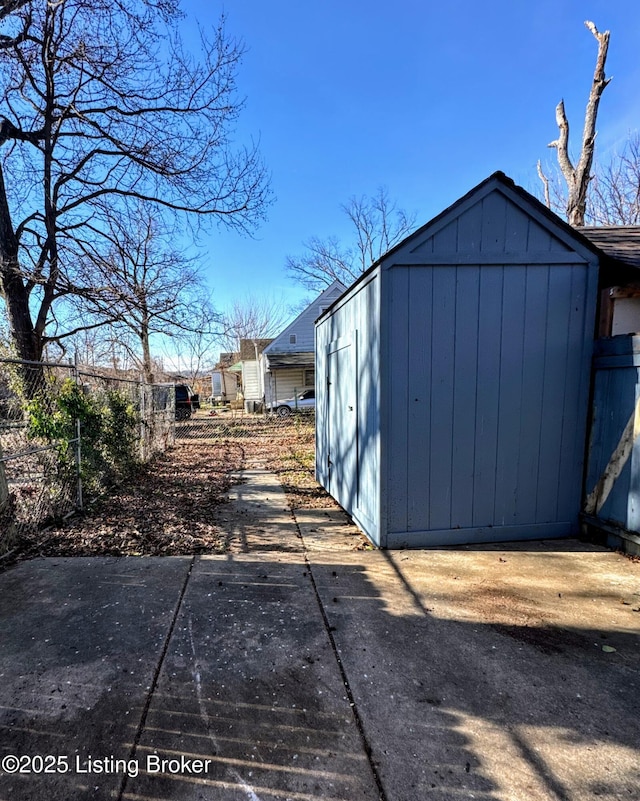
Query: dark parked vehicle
[187, 402]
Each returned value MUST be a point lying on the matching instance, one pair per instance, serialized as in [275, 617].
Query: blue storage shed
[453, 378]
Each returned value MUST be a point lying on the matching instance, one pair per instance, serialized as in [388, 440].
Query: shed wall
[613, 474]
[491, 313]
[487, 432]
[479, 329]
[348, 374]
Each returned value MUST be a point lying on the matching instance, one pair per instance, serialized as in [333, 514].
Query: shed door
[487, 432]
[342, 422]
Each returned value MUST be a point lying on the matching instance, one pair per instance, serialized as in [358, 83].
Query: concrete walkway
[296, 667]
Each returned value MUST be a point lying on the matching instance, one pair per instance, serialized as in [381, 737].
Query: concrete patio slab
[498, 675]
[295, 667]
[251, 683]
[81, 640]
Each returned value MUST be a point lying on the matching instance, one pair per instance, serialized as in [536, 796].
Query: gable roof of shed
[570, 236]
[620, 248]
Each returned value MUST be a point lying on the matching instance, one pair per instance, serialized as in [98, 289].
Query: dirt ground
[166, 508]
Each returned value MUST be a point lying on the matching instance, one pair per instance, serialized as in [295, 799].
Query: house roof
[326, 295]
[226, 360]
[619, 242]
[278, 361]
[248, 348]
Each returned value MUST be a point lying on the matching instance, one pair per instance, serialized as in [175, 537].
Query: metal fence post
[143, 414]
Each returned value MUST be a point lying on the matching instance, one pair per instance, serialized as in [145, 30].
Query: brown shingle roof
[620, 242]
[248, 348]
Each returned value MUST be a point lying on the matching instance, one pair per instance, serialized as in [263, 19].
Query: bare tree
[140, 284]
[378, 224]
[613, 196]
[614, 192]
[193, 350]
[101, 103]
[252, 317]
[578, 176]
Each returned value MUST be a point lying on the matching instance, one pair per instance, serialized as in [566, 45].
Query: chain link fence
[67, 432]
[263, 437]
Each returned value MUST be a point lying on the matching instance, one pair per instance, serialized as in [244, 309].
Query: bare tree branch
[378, 225]
[102, 106]
[578, 177]
[545, 183]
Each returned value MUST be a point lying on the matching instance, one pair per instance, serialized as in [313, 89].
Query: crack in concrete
[343, 673]
[156, 676]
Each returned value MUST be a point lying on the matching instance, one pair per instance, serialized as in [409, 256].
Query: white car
[305, 401]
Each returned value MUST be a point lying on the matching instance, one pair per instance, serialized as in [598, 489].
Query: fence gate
[612, 489]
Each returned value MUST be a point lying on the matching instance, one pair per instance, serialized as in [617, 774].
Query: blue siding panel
[472, 429]
[398, 398]
[487, 394]
[440, 417]
[615, 395]
[465, 381]
[510, 407]
[554, 386]
[419, 380]
[533, 369]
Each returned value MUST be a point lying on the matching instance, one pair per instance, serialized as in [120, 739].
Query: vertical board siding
[492, 226]
[510, 405]
[419, 380]
[572, 449]
[469, 232]
[343, 421]
[493, 216]
[356, 378]
[554, 388]
[465, 381]
[516, 233]
[533, 370]
[490, 305]
[397, 390]
[633, 500]
[440, 418]
[500, 357]
[446, 240]
[615, 394]
[471, 430]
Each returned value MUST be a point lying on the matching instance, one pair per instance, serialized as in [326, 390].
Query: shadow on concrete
[236, 663]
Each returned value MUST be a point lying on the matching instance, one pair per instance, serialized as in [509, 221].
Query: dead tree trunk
[578, 176]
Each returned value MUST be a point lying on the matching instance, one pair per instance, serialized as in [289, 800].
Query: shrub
[108, 426]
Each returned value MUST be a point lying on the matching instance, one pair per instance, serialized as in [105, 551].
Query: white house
[252, 377]
[288, 362]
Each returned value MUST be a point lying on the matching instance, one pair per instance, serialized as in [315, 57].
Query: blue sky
[425, 98]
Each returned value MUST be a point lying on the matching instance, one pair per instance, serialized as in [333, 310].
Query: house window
[309, 378]
[293, 338]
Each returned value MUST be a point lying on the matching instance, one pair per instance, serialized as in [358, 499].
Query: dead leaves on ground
[167, 508]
